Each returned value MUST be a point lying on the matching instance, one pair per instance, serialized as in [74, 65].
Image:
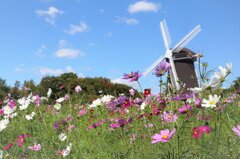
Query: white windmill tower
[174, 75]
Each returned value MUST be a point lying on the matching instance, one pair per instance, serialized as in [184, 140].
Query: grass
[103, 142]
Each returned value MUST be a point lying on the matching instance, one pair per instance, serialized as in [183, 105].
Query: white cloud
[68, 53]
[62, 43]
[91, 44]
[123, 81]
[49, 15]
[56, 72]
[143, 6]
[81, 75]
[128, 21]
[82, 27]
[65, 50]
[40, 52]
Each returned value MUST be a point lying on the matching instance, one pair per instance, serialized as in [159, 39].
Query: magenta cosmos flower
[133, 76]
[20, 140]
[200, 130]
[164, 136]
[236, 130]
[162, 68]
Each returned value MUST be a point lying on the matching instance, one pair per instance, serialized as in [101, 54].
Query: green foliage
[103, 142]
[236, 83]
[64, 84]
[4, 88]
[92, 88]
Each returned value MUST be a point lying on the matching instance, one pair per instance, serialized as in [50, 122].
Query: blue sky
[108, 38]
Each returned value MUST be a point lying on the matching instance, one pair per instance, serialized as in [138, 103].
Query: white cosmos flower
[12, 115]
[60, 100]
[49, 92]
[211, 102]
[103, 100]
[1, 154]
[229, 67]
[3, 124]
[57, 106]
[24, 102]
[43, 98]
[66, 151]
[95, 103]
[62, 137]
[107, 98]
[196, 89]
[7, 110]
[143, 105]
[30, 117]
[78, 89]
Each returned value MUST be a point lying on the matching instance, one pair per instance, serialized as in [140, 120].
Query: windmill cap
[185, 53]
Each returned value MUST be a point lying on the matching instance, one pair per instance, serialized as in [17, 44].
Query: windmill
[180, 58]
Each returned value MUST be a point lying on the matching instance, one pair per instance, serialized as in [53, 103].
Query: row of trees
[64, 84]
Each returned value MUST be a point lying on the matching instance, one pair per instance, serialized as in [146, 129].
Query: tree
[15, 91]
[236, 83]
[4, 88]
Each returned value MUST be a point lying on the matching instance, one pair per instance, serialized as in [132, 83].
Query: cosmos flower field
[203, 123]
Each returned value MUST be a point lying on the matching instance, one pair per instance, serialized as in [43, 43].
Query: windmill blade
[187, 39]
[165, 34]
[153, 66]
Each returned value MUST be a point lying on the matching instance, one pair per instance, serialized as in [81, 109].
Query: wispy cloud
[143, 6]
[82, 27]
[44, 71]
[123, 81]
[109, 34]
[128, 21]
[18, 69]
[65, 51]
[49, 15]
[40, 52]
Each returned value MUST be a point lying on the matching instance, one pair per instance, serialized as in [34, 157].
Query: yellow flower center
[169, 117]
[164, 136]
[212, 102]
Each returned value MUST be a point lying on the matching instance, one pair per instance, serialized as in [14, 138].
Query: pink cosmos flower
[132, 92]
[164, 136]
[148, 125]
[100, 122]
[114, 126]
[82, 112]
[198, 102]
[35, 147]
[162, 68]
[169, 117]
[236, 130]
[71, 127]
[184, 109]
[133, 76]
